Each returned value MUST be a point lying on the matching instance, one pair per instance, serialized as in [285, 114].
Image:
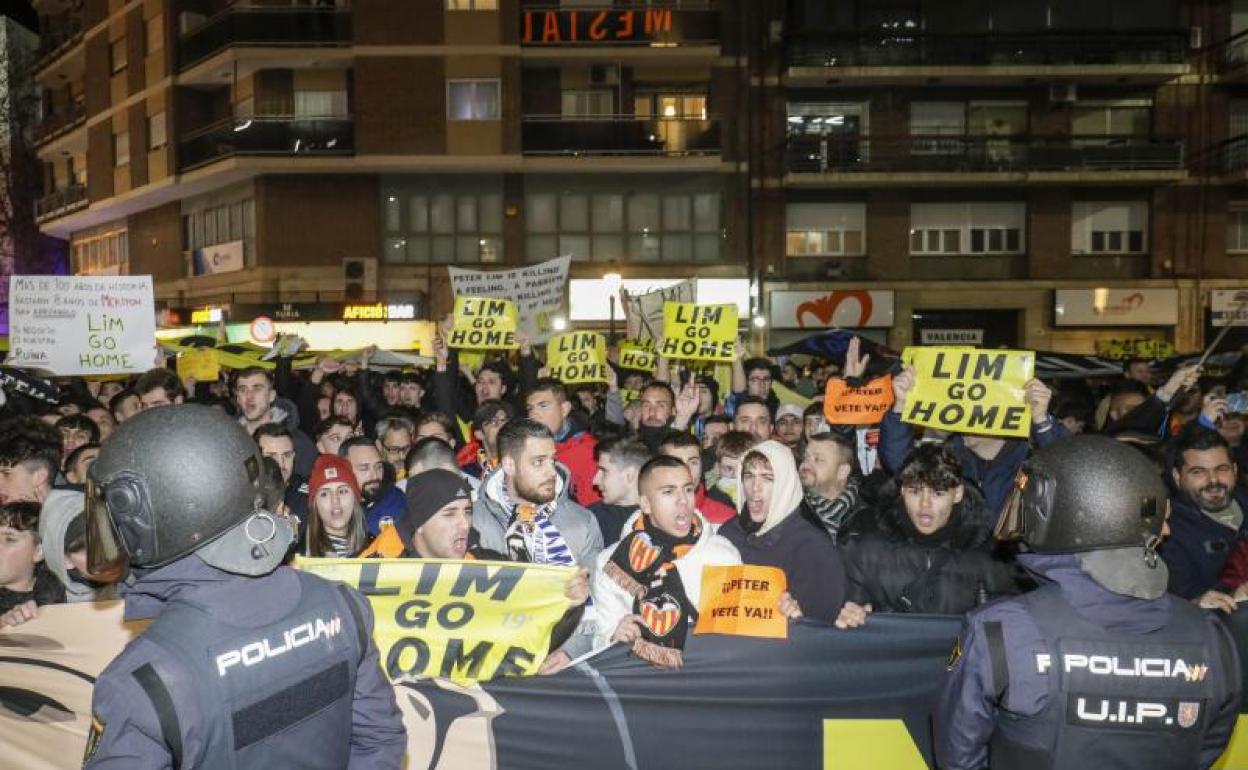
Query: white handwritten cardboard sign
[82, 325]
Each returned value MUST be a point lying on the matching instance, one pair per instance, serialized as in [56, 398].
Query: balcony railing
[901, 49]
[832, 153]
[1226, 157]
[269, 135]
[59, 123]
[310, 25]
[57, 39]
[1235, 51]
[59, 202]
[620, 135]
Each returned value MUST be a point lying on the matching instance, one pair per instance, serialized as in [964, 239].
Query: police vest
[278, 695]
[1115, 700]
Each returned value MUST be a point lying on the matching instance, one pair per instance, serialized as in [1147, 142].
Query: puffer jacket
[896, 569]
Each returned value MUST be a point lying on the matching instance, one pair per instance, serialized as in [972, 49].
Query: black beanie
[427, 493]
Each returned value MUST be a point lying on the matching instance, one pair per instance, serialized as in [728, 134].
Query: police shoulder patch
[954, 655]
[93, 738]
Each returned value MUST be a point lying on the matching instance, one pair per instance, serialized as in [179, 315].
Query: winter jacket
[896, 569]
[574, 447]
[1198, 547]
[994, 477]
[612, 603]
[789, 539]
[47, 590]
[577, 525]
[612, 519]
[390, 505]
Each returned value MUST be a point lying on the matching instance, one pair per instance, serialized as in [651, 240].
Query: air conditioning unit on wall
[359, 278]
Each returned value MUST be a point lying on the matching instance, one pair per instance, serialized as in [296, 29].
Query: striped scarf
[531, 535]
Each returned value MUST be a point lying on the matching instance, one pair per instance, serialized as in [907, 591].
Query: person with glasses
[394, 441]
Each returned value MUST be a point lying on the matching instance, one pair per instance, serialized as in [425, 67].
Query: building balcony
[285, 136]
[58, 124]
[886, 56]
[1228, 159]
[256, 25]
[57, 40]
[61, 202]
[1006, 159]
[660, 23]
[556, 135]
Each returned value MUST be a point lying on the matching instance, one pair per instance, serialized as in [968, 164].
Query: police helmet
[178, 479]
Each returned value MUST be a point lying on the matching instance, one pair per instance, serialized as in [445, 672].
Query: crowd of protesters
[640, 482]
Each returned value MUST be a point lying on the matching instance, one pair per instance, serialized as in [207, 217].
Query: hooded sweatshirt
[790, 540]
[58, 510]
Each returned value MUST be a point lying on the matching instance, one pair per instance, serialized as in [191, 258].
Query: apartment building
[288, 151]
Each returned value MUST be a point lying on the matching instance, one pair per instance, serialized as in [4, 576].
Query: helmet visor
[107, 558]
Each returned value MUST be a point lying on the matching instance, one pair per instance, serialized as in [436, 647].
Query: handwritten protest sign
[483, 323]
[863, 405]
[638, 355]
[970, 391]
[537, 290]
[742, 600]
[199, 364]
[577, 357]
[643, 313]
[82, 325]
[467, 621]
[699, 332]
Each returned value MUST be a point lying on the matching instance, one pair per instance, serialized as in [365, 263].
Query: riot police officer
[1099, 667]
[246, 664]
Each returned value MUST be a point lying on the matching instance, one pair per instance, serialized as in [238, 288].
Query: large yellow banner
[970, 391]
[466, 621]
[484, 323]
[699, 332]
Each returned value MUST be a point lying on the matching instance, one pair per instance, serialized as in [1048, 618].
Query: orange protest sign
[864, 405]
[742, 600]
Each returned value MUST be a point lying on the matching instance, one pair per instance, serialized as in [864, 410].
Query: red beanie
[329, 468]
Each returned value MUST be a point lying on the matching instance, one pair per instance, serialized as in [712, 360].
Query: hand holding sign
[966, 390]
[745, 600]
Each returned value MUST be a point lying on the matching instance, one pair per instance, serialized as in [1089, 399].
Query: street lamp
[612, 282]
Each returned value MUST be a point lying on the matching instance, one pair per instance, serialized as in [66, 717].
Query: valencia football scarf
[643, 565]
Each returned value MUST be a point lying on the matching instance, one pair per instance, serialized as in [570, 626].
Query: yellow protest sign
[468, 621]
[638, 355]
[967, 390]
[484, 323]
[577, 357]
[199, 364]
[699, 332]
[742, 600]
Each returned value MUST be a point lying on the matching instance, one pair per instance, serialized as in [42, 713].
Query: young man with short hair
[619, 463]
[276, 442]
[383, 503]
[159, 387]
[548, 404]
[753, 416]
[257, 403]
[684, 447]
[30, 455]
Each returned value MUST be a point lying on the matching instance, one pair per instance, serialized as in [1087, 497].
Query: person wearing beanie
[436, 523]
[335, 522]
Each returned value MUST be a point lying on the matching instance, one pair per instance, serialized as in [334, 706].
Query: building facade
[1043, 174]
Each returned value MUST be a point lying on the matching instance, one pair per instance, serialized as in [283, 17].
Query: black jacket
[810, 560]
[896, 569]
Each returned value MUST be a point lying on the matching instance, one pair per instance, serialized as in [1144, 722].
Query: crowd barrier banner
[537, 290]
[699, 332]
[462, 620]
[866, 404]
[823, 698]
[577, 357]
[968, 390]
[484, 323]
[82, 325]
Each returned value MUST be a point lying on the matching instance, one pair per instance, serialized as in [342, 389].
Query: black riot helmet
[1085, 493]
[175, 480]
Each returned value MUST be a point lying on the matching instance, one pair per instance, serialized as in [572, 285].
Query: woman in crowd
[335, 527]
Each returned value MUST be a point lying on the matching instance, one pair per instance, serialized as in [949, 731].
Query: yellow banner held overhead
[699, 332]
[967, 390]
[199, 364]
[638, 355]
[469, 621]
[484, 323]
[577, 357]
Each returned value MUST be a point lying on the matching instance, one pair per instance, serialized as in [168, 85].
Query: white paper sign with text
[537, 291]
